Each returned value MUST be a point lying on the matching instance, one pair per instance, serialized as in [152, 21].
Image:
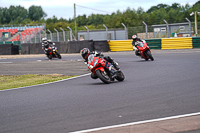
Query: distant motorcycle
[144, 50]
[96, 65]
[52, 52]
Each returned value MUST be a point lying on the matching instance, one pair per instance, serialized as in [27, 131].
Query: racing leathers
[110, 65]
[46, 45]
[135, 43]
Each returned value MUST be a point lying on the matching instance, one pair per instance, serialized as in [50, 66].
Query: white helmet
[44, 39]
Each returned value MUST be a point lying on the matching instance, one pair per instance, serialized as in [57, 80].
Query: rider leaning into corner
[112, 66]
[135, 42]
[45, 44]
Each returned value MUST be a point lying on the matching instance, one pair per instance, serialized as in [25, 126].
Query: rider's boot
[112, 70]
[116, 65]
[137, 53]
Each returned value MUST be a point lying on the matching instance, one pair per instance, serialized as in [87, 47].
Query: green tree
[81, 20]
[175, 6]
[1, 15]
[36, 13]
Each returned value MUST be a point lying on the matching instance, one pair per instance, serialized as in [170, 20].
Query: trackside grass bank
[16, 81]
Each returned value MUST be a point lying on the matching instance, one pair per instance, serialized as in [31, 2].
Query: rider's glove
[135, 48]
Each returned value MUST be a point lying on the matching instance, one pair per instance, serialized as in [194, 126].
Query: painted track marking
[136, 123]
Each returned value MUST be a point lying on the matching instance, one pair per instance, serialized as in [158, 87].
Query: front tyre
[103, 76]
[149, 55]
[58, 55]
[93, 76]
[120, 76]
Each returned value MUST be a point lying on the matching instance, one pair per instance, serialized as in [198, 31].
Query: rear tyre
[103, 76]
[120, 76]
[148, 53]
[49, 56]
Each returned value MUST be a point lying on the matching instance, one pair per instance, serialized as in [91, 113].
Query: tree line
[174, 13]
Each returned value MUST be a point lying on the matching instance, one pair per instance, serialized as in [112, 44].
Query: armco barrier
[120, 45]
[196, 42]
[154, 43]
[126, 45]
[177, 43]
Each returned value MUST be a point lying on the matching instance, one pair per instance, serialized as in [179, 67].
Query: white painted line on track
[5, 62]
[136, 123]
[49, 82]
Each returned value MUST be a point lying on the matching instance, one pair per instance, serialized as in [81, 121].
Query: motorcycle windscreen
[90, 58]
[140, 44]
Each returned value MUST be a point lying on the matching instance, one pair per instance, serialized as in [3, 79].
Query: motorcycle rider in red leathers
[135, 43]
[112, 66]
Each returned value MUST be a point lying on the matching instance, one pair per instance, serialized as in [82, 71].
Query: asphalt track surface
[168, 86]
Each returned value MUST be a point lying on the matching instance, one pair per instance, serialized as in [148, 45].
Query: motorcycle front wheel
[120, 76]
[149, 55]
[58, 55]
[103, 76]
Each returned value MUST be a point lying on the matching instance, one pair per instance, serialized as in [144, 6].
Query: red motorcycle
[145, 51]
[52, 52]
[96, 66]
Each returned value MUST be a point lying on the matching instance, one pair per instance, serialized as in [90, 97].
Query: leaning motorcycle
[96, 66]
[144, 50]
[52, 52]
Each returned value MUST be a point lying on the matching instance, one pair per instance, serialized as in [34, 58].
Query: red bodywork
[95, 63]
[51, 52]
[142, 46]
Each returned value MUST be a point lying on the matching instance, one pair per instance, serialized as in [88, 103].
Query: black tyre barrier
[67, 47]
[9, 49]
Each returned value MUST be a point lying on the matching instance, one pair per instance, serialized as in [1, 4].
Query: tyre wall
[9, 49]
[67, 47]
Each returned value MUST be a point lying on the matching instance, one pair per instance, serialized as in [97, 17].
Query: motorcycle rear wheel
[103, 76]
[149, 55]
[49, 56]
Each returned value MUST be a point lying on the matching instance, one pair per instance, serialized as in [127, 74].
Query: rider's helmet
[44, 39]
[134, 37]
[45, 42]
[85, 52]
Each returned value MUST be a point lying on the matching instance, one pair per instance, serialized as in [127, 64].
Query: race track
[168, 86]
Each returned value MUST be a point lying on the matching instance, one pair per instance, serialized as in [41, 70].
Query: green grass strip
[16, 81]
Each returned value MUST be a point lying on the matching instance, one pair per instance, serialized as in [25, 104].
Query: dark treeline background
[174, 13]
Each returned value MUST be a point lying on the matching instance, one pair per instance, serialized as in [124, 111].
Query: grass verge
[16, 81]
